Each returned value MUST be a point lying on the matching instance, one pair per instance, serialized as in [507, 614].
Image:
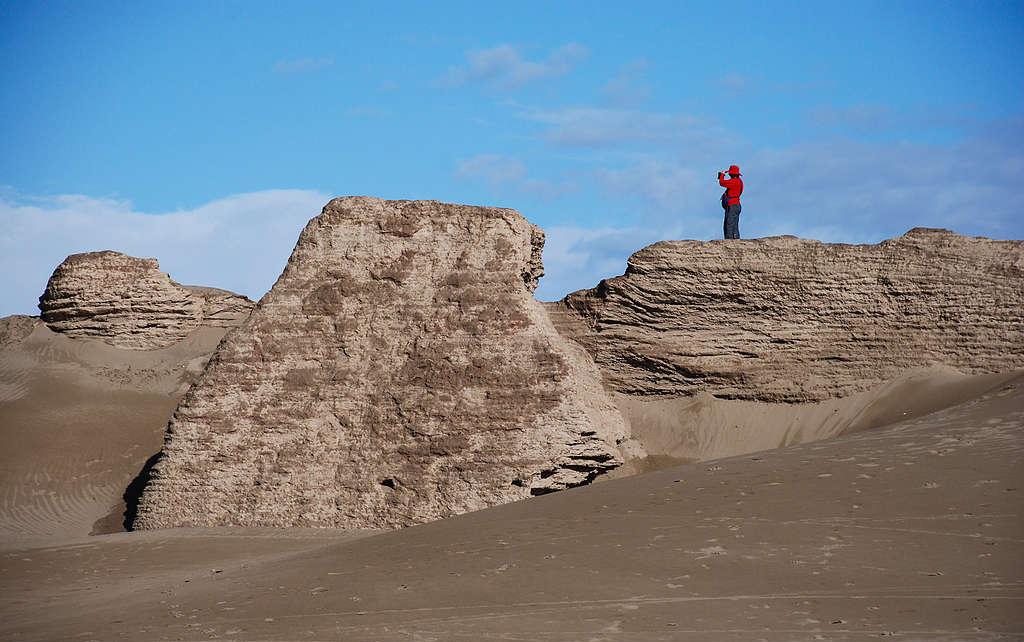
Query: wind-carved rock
[399, 371]
[129, 303]
[790, 320]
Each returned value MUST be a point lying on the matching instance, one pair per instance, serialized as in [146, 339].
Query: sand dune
[704, 427]
[79, 419]
[911, 531]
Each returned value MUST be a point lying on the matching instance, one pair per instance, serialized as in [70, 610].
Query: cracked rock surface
[399, 371]
[128, 302]
[784, 319]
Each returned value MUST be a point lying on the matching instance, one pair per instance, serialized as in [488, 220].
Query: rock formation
[15, 328]
[790, 320]
[129, 303]
[399, 371]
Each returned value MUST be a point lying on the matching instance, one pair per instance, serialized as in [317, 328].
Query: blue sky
[206, 134]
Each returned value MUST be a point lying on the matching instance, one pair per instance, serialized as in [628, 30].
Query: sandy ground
[78, 420]
[688, 429]
[908, 532]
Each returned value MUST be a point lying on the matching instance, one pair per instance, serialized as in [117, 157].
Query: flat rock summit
[784, 319]
[399, 371]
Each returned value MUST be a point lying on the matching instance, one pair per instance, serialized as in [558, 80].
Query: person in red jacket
[731, 201]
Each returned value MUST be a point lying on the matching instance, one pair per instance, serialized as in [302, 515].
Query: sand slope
[908, 532]
[685, 429]
[78, 420]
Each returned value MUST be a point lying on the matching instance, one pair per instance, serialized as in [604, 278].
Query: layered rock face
[129, 303]
[399, 371]
[791, 320]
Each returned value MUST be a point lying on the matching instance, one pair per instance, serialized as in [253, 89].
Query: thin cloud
[873, 118]
[302, 65]
[501, 173]
[597, 127]
[735, 84]
[494, 169]
[629, 87]
[366, 111]
[504, 66]
[860, 117]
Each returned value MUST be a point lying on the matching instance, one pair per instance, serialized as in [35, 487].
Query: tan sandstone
[791, 320]
[128, 302]
[399, 371]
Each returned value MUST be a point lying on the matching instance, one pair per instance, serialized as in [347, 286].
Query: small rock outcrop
[129, 303]
[399, 371]
[16, 327]
[791, 320]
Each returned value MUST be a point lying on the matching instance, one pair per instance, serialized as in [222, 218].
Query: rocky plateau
[790, 320]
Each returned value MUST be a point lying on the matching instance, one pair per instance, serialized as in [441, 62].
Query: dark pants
[732, 222]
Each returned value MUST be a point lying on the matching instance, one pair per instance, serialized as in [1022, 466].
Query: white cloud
[301, 65]
[504, 66]
[240, 243]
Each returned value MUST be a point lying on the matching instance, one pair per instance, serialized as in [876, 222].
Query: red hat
[735, 169]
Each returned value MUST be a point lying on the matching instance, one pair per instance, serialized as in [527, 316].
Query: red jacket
[734, 185]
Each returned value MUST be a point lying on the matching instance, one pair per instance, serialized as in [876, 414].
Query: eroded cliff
[129, 303]
[791, 320]
[399, 371]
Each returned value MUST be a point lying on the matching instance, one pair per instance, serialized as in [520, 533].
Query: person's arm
[724, 182]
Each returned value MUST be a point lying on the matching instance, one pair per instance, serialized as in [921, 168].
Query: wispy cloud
[492, 168]
[860, 117]
[628, 88]
[595, 127]
[500, 172]
[735, 83]
[240, 243]
[667, 187]
[301, 65]
[504, 66]
[366, 111]
[874, 118]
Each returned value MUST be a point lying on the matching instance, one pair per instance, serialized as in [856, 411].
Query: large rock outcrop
[129, 303]
[399, 371]
[790, 320]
